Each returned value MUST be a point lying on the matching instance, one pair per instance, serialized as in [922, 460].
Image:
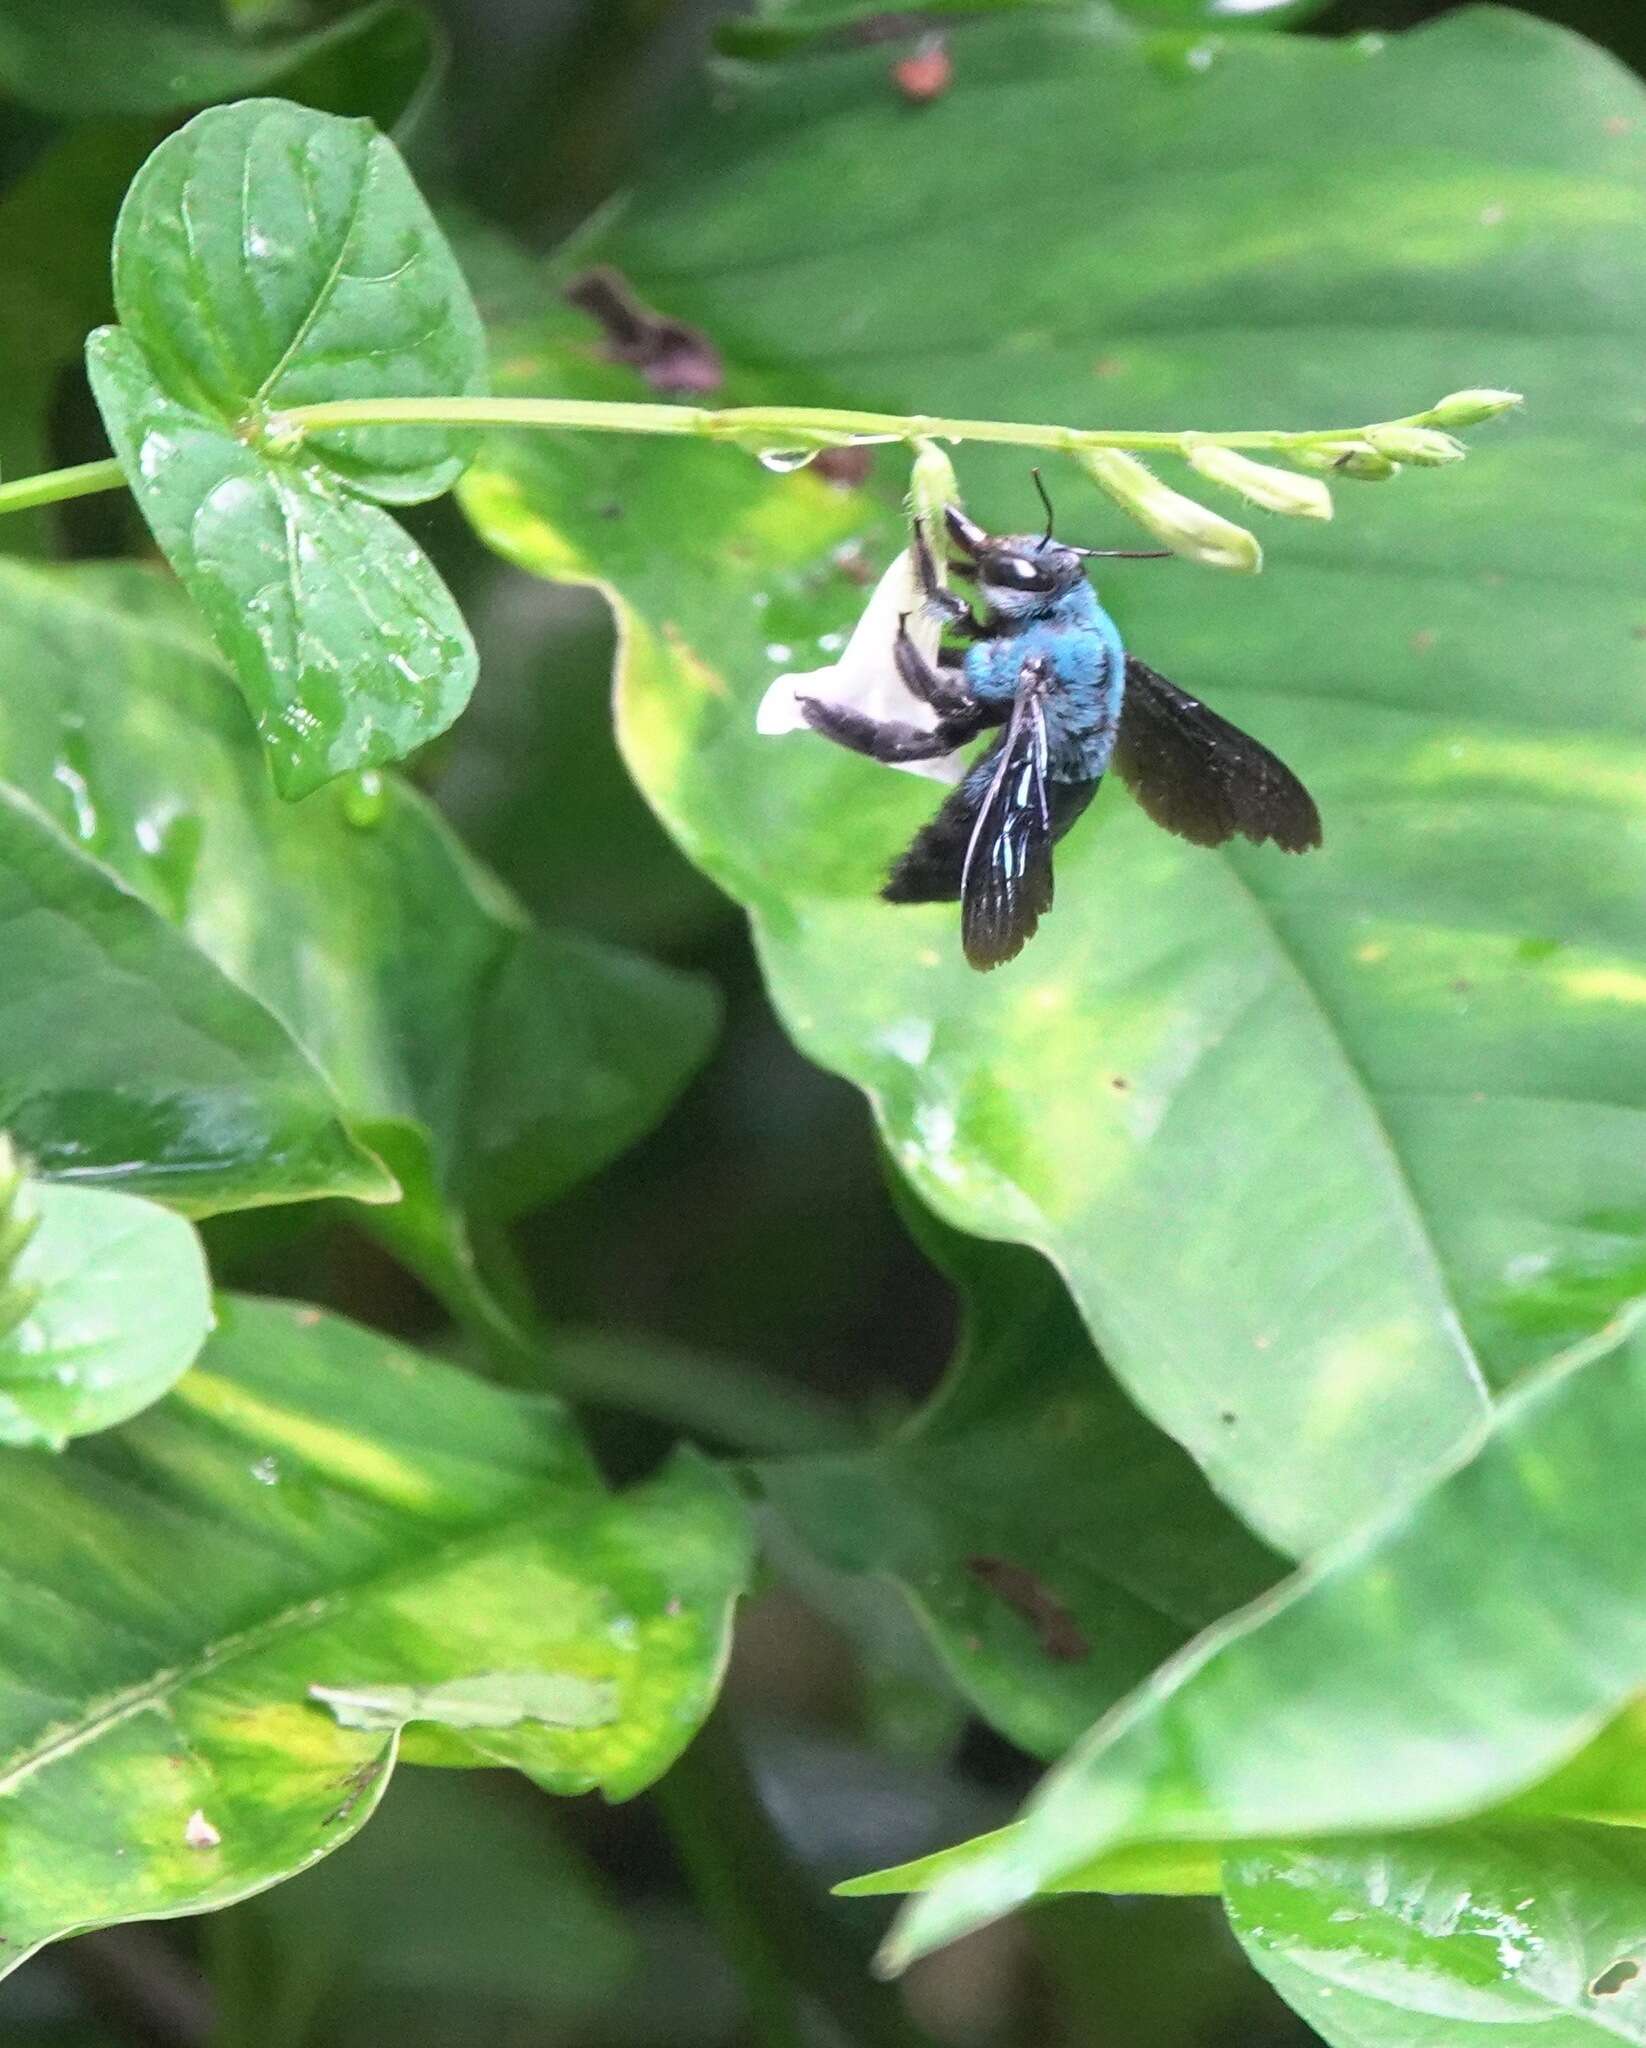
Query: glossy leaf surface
[1056, 1546]
[1313, 1140]
[1510, 1936]
[118, 1306]
[150, 56]
[316, 1506]
[494, 1063]
[125, 1056]
[780, 26]
[268, 256]
[1436, 1665]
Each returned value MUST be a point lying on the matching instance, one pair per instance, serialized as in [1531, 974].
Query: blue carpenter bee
[1046, 662]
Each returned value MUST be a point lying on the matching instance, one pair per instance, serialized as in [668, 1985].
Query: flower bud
[1423, 446]
[1469, 408]
[1275, 490]
[1186, 528]
[1345, 458]
[932, 486]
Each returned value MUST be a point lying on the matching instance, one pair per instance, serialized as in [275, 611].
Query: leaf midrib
[302, 1615]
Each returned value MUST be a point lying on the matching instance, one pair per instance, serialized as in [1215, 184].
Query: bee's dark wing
[1202, 777]
[1006, 875]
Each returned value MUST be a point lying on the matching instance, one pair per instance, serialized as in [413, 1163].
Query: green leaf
[1430, 1667]
[127, 1057]
[493, 1064]
[267, 256]
[112, 1303]
[315, 1506]
[1514, 1937]
[490, 1699]
[1160, 1869]
[1055, 1544]
[780, 26]
[151, 56]
[1313, 1141]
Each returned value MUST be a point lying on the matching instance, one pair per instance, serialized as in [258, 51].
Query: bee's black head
[1016, 573]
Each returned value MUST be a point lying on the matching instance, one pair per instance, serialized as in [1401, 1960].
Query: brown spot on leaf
[1422, 640]
[670, 355]
[1056, 1629]
[1119, 1084]
[1612, 1979]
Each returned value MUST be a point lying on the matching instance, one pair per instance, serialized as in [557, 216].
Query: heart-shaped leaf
[1313, 1140]
[314, 1506]
[267, 256]
[103, 1307]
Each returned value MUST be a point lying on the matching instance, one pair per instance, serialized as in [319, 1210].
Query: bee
[1046, 663]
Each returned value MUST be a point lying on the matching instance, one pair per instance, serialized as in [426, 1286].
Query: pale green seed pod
[1274, 490]
[1469, 408]
[1187, 528]
[932, 485]
[1425, 447]
[1345, 458]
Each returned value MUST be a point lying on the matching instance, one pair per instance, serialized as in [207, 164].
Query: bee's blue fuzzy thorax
[1072, 630]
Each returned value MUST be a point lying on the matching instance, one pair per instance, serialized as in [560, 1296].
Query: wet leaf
[1436, 1665]
[1315, 1141]
[336, 283]
[315, 1506]
[1510, 1936]
[112, 1304]
[495, 1064]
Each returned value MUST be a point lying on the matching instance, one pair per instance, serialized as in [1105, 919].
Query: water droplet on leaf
[785, 461]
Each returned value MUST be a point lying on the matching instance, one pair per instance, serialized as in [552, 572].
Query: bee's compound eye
[1017, 572]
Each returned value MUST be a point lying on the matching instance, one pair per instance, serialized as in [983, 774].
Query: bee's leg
[955, 612]
[887, 739]
[945, 690]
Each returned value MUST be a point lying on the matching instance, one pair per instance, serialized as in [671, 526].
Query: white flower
[865, 677]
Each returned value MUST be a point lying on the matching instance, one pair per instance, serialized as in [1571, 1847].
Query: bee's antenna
[1126, 554]
[1040, 486]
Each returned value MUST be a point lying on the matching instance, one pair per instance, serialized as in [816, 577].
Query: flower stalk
[784, 433]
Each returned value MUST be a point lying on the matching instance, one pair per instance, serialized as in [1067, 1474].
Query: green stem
[53, 486]
[786, 1938]
[771, 428]
[778, 426]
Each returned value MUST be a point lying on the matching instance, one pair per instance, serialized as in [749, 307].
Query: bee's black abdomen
[930, 870]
